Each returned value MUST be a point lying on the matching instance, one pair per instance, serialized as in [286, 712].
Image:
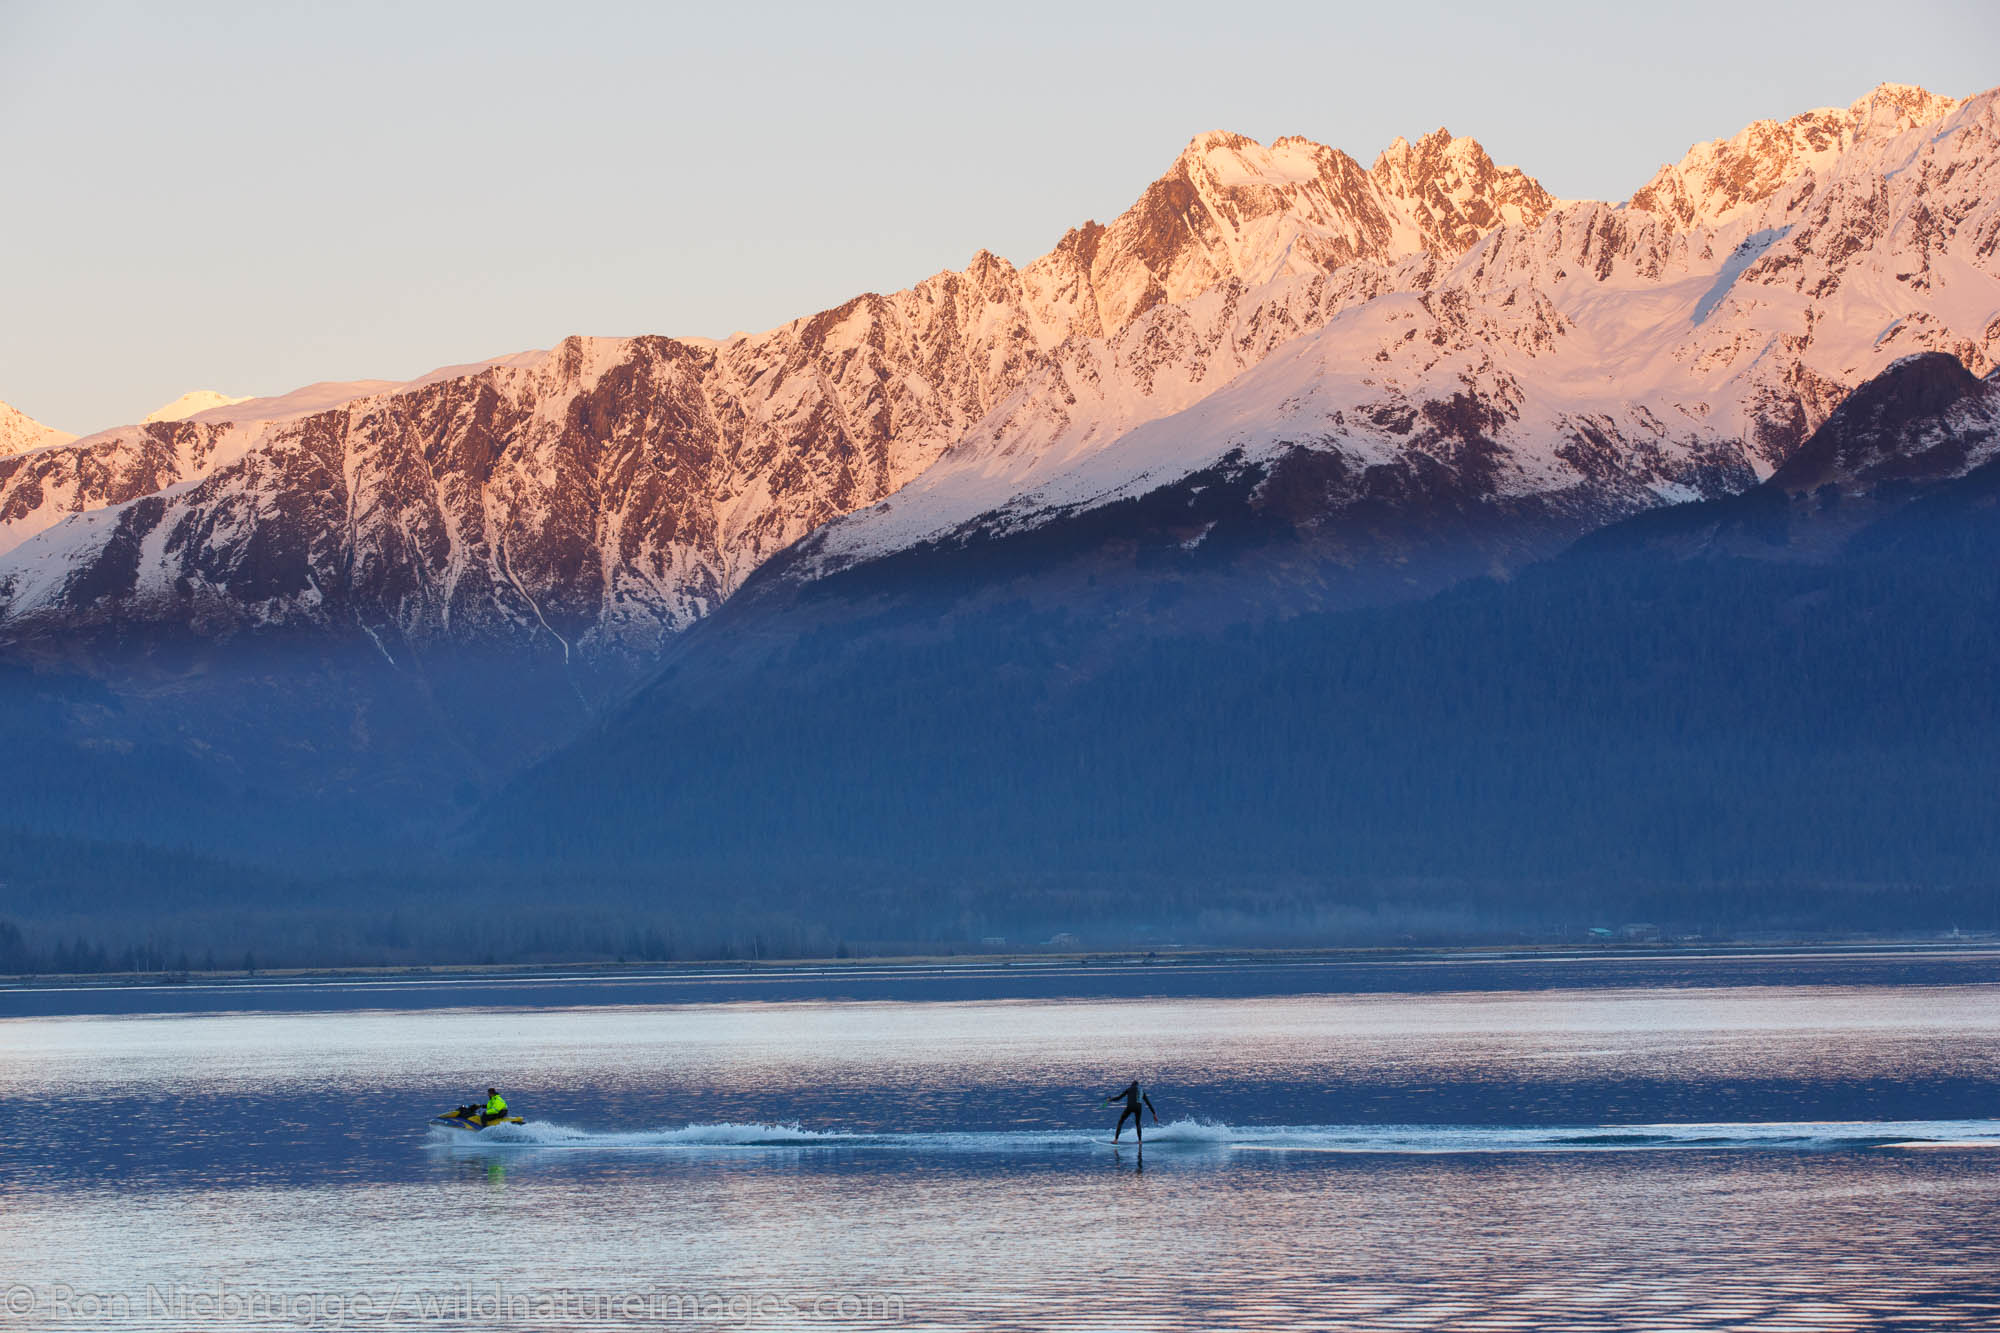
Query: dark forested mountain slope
[1650, 721]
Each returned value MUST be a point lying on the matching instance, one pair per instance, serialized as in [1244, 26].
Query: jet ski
[472, 1119]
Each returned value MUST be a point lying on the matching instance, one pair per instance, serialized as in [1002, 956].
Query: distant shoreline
[923, 964]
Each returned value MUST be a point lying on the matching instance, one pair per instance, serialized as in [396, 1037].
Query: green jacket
[496, 1105]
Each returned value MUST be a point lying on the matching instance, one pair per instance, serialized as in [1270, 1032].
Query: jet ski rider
[495, 1109]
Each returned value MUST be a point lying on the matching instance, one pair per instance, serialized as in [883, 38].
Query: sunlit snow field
[1461, 1145]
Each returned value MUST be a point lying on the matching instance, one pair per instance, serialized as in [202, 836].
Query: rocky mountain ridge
[1433, 324]
[614, 490]
[1607, 359]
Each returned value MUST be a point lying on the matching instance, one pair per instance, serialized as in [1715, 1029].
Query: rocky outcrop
[1901, 457]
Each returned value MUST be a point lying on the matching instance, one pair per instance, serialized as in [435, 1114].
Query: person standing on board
[1132, 1097]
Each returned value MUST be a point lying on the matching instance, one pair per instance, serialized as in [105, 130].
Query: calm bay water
[1778, 1143]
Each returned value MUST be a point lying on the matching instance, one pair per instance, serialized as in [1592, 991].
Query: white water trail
[1204, 1137]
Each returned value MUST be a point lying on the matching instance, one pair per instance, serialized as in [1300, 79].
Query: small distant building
[1640, 930]
[1062, 939]
[993, 941]
[1601, 932]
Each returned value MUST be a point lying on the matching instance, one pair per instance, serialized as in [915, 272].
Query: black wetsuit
[1132, 1097]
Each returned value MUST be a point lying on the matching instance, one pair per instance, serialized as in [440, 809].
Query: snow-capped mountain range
[1433, 324]
[1604, 358]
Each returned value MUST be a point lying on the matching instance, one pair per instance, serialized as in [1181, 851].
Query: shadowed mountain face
[1916, 440]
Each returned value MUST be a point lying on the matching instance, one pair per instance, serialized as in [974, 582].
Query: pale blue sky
[253, 197]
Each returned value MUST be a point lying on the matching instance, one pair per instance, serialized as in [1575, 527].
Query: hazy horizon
[250, 202]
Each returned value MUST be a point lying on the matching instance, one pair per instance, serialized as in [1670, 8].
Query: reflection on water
[1601, 1159]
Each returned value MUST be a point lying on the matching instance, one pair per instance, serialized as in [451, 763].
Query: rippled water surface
[1785, 1143]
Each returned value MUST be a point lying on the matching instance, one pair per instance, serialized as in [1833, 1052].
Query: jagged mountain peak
[984, 260]
[1211, 140]
[1232, 208]
[1431, 148]
[1237, 161]
[1895, 107]
[1722, 179]
[1456, 190]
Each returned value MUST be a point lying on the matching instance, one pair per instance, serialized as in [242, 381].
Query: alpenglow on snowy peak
[1557, 376]
[20, 432]
[189, 404]
[1232, 208]
[1720, 180]
[611, 491]
[1429, 331]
